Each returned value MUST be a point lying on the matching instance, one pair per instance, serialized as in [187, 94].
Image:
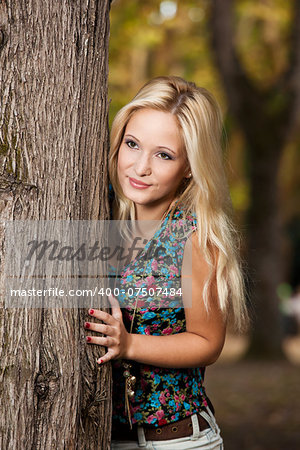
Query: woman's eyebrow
[131, 135]
[160, 146]
[172, 151]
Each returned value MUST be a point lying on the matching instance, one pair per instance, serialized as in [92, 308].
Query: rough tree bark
[267, 129]
[53, 165]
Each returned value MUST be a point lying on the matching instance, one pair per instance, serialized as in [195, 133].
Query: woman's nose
[143, 165]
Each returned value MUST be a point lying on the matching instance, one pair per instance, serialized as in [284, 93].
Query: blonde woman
[166, 166]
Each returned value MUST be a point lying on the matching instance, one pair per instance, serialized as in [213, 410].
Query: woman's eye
[129, 144]
[165, 156]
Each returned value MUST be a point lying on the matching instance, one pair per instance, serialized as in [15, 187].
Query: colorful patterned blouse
[162, 395]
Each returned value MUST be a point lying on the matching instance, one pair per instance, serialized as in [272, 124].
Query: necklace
[130, 380]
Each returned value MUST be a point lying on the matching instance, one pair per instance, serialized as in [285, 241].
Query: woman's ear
[187, 171]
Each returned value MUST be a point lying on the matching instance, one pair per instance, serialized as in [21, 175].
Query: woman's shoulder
[181, 223]
[185, 214]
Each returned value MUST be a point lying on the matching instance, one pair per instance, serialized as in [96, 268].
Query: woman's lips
[137, 184]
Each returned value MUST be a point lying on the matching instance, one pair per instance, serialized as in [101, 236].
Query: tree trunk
[265, 254]
[53, 154]
[266, 129]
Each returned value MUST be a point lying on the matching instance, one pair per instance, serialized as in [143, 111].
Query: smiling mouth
[138, 184]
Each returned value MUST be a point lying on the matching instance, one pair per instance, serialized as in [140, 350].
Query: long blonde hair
[206, 193]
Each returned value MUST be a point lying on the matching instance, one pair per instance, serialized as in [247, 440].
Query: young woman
[166, 166]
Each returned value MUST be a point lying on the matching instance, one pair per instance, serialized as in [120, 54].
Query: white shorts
[208, 439]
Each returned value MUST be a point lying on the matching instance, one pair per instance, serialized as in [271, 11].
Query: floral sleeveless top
[162, 395]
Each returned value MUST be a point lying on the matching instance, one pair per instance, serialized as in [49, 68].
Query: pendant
[130, 381]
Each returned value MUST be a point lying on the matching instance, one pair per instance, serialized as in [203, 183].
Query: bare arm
[203, 340]
[199, 346]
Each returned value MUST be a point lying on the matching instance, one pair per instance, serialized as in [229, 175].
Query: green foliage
[144, 43]
[262, 37]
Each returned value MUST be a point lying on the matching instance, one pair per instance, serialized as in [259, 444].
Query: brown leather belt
[180, 428]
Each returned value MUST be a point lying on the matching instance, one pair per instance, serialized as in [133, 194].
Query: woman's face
[151, 152]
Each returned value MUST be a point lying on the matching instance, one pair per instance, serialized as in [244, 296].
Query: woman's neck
[148, 220]
[153, 213]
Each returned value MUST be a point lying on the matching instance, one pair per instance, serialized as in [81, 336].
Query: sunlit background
[256, 399]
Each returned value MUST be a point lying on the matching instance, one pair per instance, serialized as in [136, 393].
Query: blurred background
[247, 53]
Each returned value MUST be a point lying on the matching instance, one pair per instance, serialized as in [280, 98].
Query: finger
[100, 328]
[102, 315]
[115, 307]
[105, 358]
[104, 341]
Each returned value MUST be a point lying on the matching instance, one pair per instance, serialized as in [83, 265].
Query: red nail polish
[101, 361]
[91, 311]
[88, 338]
[87, 325]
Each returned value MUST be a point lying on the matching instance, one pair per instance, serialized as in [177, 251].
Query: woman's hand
[117, 338]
